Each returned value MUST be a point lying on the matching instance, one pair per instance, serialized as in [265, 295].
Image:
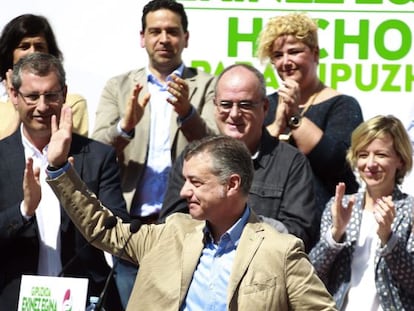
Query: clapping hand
[60, 141]
[134, 109]
[341, 215]
[289, 92]
[289, 98]
[179, 90]
[31, 188]
[384, 213]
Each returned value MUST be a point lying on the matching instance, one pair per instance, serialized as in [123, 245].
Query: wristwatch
[295, 121]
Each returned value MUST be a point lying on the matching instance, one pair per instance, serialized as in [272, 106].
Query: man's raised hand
[60, 141]
[134, 109]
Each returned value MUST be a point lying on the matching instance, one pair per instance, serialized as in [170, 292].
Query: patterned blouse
[394, 263]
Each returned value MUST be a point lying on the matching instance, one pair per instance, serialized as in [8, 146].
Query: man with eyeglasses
[49, 98]
[41, 239]
[282, 190]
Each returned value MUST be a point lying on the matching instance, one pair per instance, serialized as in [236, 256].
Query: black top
[337, 117]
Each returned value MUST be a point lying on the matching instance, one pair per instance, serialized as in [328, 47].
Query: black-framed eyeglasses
[32, 99]
[244, 105]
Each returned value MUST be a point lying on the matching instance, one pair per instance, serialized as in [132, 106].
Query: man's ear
[234, 184]
[187, 37]
[13, 95]
[142, 39]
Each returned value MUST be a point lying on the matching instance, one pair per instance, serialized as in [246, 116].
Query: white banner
[46, 293]
[367, 48]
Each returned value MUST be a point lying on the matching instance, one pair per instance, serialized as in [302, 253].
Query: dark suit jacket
[19, 239]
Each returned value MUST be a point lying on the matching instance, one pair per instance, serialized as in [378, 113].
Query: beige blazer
[132, 154]
[10, 119]
[270, 269]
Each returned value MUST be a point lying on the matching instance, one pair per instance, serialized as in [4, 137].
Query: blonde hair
[379, 127]
[299, 25]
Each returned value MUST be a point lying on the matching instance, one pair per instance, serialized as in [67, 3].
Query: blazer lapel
[250, 241]
[189, 77]
[12, 166]
[192, 248]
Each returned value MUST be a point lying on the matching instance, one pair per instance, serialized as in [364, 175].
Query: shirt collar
[30, 149]
[152, 79]
[235, 231]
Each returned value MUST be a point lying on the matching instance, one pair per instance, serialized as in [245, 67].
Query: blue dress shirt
[208, 288]
[151, 190]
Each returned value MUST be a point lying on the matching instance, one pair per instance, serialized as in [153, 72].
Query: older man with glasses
[40, 239]
[282, 190]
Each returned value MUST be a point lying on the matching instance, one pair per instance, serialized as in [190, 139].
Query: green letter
[359, 73]
[393, 71]
[235, 37]
[270, 77]
[340, 73]
[323, 24]
[368, 1]
[341, 39]
[405, 35]
[409, 78]
[202, 65]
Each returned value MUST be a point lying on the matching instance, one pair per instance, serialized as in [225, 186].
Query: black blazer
[19, 240]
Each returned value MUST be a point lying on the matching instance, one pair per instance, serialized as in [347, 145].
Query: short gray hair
[40, 64]
[229, 156]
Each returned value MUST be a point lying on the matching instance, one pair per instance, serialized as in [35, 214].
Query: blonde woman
[365, 255]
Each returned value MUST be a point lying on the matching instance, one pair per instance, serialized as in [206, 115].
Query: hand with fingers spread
[384, 213]
[341, 215]
[180, 95]
[134, 110]
[60, 141]
[31, 188]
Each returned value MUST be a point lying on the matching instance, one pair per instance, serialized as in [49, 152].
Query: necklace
[313, 98]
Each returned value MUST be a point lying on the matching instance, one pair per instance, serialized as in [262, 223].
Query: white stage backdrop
[366, 45]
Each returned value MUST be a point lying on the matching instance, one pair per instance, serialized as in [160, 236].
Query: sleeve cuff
[331, 242]
[127, 135]
[54, 173]
[180, 120]
[387, 248]
[25, 217]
